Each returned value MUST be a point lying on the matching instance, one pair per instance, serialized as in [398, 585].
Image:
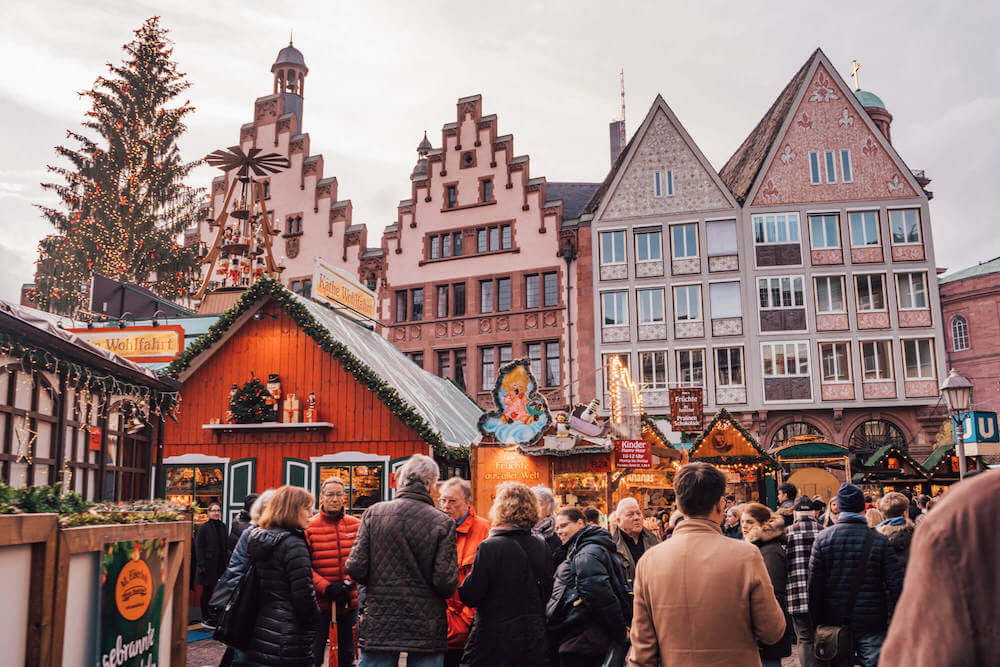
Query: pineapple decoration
[241, 252]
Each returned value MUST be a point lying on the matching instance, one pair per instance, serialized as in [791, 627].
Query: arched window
[873, 434]
[959, 334]
[792, 430]
[281, 81]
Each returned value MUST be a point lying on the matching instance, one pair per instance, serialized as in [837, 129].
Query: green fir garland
[249, 403]
[269, 287]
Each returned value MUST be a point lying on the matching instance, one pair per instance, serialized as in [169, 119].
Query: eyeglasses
[448, 501]
[338, 494]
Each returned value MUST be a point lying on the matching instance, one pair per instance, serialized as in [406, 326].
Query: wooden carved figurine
[274, 401]
[310, 415]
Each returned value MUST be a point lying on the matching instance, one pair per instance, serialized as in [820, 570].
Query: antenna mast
[621, 75]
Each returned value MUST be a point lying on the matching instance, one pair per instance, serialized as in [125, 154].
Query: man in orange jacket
[330, 536]
[455, 500]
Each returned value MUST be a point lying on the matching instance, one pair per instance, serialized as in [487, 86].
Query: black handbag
[234, 625]
[834, 642]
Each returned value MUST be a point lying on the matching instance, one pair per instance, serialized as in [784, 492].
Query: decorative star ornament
[254, 160]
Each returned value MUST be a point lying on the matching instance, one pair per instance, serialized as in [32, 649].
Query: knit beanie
[850, 499]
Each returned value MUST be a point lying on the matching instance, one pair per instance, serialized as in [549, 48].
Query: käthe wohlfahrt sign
[332, 286]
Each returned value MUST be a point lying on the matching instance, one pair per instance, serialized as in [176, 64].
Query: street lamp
[957, 390]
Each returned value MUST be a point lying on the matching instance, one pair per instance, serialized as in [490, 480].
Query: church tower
[290, 72]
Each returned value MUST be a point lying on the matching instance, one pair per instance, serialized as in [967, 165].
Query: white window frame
[791, 284]
[799, 347]
[846, 166]
[617, 302]
[697, 241]
[645, 234]
[739, 300]
[857, 293]
[600, 240]
[841, 371]
[677, 359]
[655, 382]
[910, 289]
[785, 219]
[886, 344]
[930, 351]
[663, 183]
[902, 211]
[815, 178]
[718, 376]
[964, 335]
[641, 292]
[830, 159]
[812, 234]
[843, 293]
[878, 227]
[736, 237]
[701, 309]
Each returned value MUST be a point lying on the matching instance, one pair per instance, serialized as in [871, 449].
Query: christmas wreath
[249, 404]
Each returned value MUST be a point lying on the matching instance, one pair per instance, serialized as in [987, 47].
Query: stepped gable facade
[303, 202]
[482, 264]
[842, 306]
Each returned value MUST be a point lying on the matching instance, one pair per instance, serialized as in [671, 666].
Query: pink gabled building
[482, 265]
[303, 203]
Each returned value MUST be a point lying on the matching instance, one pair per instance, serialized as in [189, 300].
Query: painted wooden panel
[825, 120]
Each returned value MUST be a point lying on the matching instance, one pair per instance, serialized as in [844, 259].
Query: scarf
[336, 516]
[894, 521]
[850, 515]
[462, 520]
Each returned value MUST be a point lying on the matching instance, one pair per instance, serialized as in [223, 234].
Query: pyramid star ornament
[254, 160]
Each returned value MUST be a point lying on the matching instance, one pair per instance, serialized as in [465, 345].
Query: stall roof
[445, 408]
[726, 459]
[42, 329]
[812, 448]
[880, 454]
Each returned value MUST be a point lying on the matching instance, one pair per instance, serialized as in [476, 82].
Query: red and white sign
[633, 454]
[686, 410]
[94, 439]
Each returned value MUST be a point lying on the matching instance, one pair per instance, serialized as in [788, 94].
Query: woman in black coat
[240, 524]
[211, 557]
[590, 606]
[286, 606]
[510, 581]
[766, 531]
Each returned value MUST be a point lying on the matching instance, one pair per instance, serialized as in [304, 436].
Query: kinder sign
[633, 454]
[336, 288]
[143, 344]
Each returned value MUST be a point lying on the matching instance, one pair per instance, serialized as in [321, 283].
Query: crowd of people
[713, 583]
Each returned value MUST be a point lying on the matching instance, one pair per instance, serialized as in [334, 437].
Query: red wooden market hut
[374, 408]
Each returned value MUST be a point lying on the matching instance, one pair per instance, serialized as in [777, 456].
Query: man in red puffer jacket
[330, 536]
[455, 500]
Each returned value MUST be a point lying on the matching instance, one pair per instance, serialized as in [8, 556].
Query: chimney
[616, 130]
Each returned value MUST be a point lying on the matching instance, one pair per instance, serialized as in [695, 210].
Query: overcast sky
[380, 73]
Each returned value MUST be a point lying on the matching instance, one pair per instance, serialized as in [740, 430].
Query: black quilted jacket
[836, 556]
[405, 555]
[287, 608]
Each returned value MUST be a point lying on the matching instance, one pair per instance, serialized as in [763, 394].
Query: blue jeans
[866, 649]
[391, 659]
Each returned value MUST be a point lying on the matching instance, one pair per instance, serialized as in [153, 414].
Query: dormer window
[451, 196]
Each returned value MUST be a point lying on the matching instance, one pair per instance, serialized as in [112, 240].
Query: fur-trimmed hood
[899, 536]
[770, 531]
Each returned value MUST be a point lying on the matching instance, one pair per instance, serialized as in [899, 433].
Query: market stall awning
[890, 463]
[725, 442]
[402, 385]
[809, 448]
[942, 463]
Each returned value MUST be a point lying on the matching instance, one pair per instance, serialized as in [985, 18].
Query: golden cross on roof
[856, 74]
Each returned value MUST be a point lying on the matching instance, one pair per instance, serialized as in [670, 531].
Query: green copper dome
[869, 99]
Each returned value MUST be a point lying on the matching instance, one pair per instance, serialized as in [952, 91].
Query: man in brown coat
[700, 597]
[947, 613]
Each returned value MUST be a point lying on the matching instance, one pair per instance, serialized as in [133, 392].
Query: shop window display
[582, 490]
[363, 482]
[195, 486]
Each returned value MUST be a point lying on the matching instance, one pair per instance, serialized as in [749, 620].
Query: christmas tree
[123, 203]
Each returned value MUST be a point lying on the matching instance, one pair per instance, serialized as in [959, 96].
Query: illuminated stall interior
[941, 466]
[891, 468]
[817, 466]
[751, 473]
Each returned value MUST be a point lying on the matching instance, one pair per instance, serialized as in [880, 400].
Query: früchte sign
[330, 285]
[686, 409]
